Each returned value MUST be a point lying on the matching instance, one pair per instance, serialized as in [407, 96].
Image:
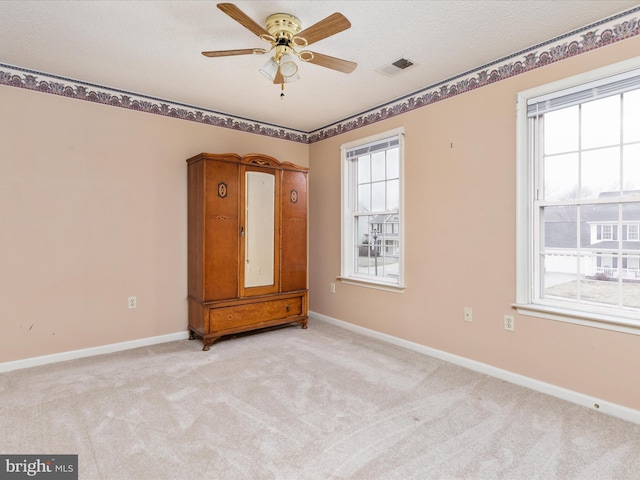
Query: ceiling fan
[284, 33]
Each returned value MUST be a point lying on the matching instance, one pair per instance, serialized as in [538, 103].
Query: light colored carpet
[322, 403]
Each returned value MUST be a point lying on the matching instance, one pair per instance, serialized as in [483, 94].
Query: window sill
[576, 317]
[370, 284]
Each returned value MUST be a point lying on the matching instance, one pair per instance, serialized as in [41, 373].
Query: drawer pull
[287, 308]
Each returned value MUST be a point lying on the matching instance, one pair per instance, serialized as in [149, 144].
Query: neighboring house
[606, 246]
[383, 238]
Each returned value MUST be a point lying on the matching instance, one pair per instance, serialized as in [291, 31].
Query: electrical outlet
[133, 303]
[332, 288]
[468, 314]
[509, 323]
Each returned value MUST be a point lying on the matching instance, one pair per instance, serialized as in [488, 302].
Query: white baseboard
[89, 352]
[613, 409]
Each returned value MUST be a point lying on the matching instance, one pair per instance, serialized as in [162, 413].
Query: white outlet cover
[509, 323]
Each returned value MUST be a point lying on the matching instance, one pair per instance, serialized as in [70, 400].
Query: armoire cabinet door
[293, 274]
[221, 230]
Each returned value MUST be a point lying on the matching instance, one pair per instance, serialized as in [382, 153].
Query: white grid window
[372, 252]
[579, 200]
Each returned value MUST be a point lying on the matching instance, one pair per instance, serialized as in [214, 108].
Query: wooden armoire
[247, 241]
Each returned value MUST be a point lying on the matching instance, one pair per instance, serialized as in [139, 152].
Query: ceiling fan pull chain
[282, 94]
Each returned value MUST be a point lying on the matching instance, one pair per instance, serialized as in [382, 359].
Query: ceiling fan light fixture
[292, 78]
[270, 69]
[288, 68]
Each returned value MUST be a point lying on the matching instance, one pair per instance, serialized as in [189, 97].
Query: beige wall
[460, 244]
[93, 210]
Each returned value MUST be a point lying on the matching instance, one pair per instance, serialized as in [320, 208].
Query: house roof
[560, 225]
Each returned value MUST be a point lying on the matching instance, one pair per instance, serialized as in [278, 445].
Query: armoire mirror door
[260, 237]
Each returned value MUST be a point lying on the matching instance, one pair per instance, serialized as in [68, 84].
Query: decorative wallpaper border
[66, 87]
[590, 37]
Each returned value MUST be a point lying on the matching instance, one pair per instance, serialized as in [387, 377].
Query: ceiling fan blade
[242, 18]
[229, 53]
[331, 25]
[332, 62]
[278, 79]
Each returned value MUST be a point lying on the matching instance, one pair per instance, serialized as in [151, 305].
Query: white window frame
[525, 217]
[347, 274]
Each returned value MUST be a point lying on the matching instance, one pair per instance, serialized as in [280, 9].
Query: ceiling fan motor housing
[282, 25]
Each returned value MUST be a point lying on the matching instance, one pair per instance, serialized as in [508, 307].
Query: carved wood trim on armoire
[247, 244]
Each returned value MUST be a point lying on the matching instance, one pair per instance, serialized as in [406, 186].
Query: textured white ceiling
[153, 48]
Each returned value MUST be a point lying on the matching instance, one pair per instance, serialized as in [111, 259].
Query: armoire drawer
[253, 313]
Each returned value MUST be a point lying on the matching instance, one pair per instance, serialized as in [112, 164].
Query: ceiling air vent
[395, 67]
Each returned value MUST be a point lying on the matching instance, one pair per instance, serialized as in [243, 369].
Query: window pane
[631, 167]
[362, 229]
[601, 172]
[631, 288]
[601, 122]
[561, 131]
[364, 197]
[393, 163]
[561, 177]
[364, 169]
[631, 212]
[602, 285]
[377, 197]
[362, 253]
[365, 247]
[378, 166]
[630, 267]
[602, 224]
[631, 116]
[631, 225]
[561, 275]
[362, 243]
[393, 195]
[560, 230]
[562, 266]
